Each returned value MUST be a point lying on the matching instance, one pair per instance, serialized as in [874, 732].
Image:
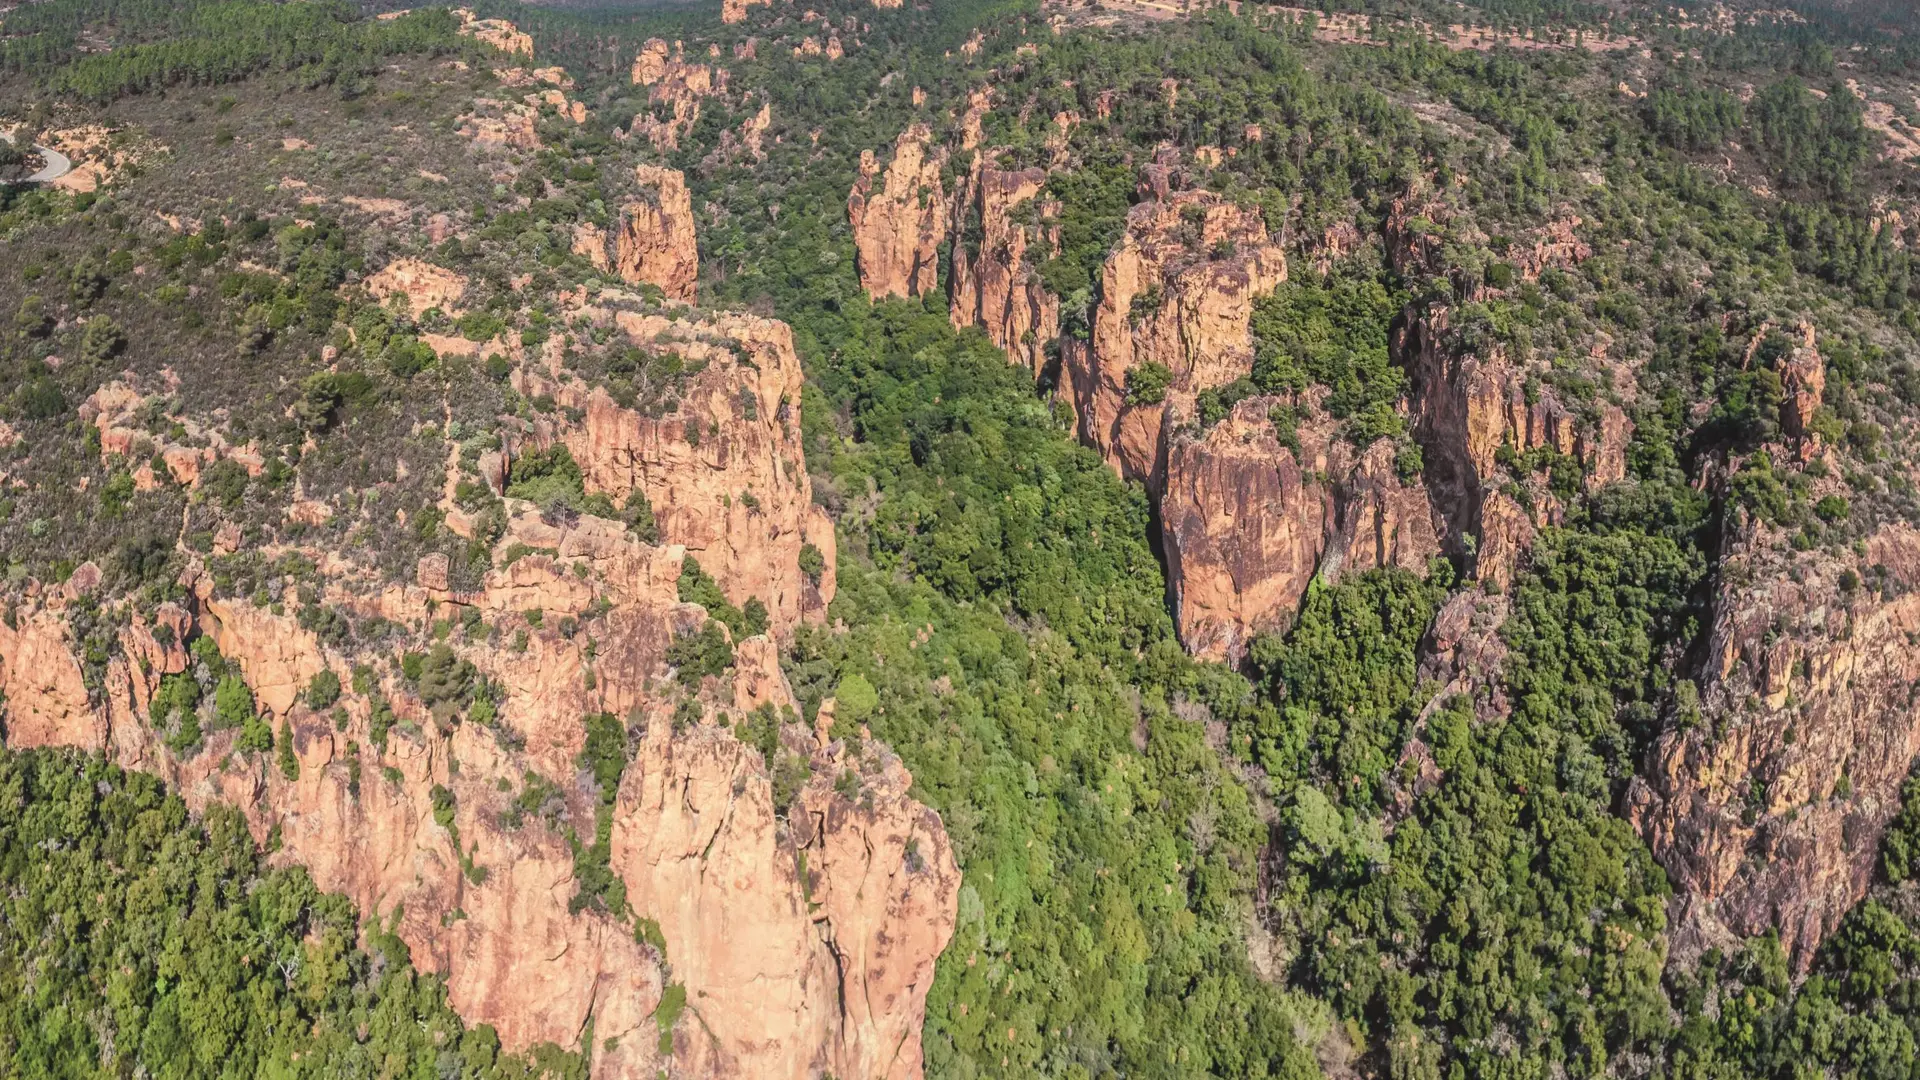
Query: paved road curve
[57, 163]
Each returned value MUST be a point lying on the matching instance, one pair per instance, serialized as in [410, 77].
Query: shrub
[1147, 383]
[703, 652]
[324, 690]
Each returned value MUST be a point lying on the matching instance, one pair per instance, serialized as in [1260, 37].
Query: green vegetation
[696, 586]
[605, 757]
[1332, 333]
[209, 42]
[1171, 869]
[1106, 888]
[142, 940]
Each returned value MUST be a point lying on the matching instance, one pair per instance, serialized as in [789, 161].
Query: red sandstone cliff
[725, 473]
[654, 243]
[1248, 523]
[1469, 400]
[995, 285]
[1178, 291]
[1766, 800]
[897, 230]
[675, 86]
[805, 936]
[784, 978]
[1767, 803]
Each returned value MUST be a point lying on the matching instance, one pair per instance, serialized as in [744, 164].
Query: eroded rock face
[655, 241]
[497, 125]
[1803, 375]
[675, 87]
[734, 11]
[1178, 291]
[122, 415]
[996, 287]
[1467, 406]
[696, 839]
[783, 978]
[1768, 802]
[725, 474]
[898, 229]
[423, 285]
[498, 33]
[1248, 522]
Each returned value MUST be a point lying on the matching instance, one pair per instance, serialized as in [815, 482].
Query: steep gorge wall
[1249, 522]
[804, 936]
[1168, 297]
[1177, 294]
[994, 284]
[1468, 402]
[725, 473]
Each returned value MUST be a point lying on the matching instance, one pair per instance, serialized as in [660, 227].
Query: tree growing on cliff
[211, 963]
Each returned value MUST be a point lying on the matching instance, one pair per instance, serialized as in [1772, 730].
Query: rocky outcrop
[498, 33]
[1767, 801]
[1247, 523]
[898, 229]
[994, 284]
[1486, 422]
[1470, 408]
[734, 11]
[675, 87]
[695, 834]
[1803, 375]
[1178, 292]
[423, 285]
[1556, 244]
[654, 243]
[724, 473]
[804, 939]
[501, 125]
[124, 418]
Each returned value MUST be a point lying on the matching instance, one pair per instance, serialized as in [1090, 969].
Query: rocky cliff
[898, 229]
[1178, 292]
[803, 937]
[675, 87]
[427, 755]
[828, 923]
[1767, 801]
[1768, 793]
[724, 473]
[654, 242]
[1248, 522]
[994, 285]
[1484, 418]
